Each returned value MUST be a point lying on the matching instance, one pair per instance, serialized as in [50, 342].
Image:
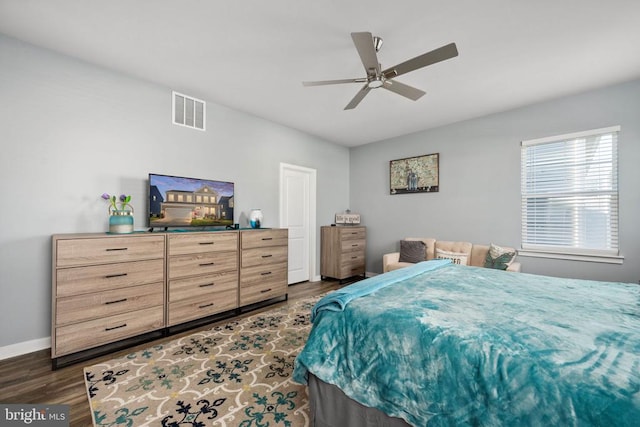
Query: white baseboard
[25, 347]
[370, 274]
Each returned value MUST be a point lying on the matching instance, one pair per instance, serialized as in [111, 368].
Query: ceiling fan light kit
[367, 46]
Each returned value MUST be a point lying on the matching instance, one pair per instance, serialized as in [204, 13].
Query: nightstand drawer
[352, 269]
[115, 249]
[266, 237]
[81, 336]
[104, 277]
[108, 303]
[180, 289]
[202, 306]
[347, 233]
[205, 263]
[352, 258]
[198, 243]
[353, 245]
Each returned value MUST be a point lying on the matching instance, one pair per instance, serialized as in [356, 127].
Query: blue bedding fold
[337, 300]
[474, 346]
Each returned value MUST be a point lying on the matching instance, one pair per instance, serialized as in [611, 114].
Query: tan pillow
[455, 257]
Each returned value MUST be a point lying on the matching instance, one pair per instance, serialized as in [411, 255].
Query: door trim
[313, 273]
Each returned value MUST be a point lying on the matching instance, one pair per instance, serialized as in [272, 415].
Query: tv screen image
[176, 201]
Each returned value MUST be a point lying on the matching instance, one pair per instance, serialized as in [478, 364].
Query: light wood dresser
[263, 265]
[343, 251]
[202, 275]
[105, 288]
[110, 289]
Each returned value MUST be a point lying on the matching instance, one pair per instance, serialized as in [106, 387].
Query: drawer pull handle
[206, 285]
[116, 301]
[355, 246]
[124, 325]
[206, 243]
[204, 264]
[354, 257]
[267, 256]
[116, 249]
[264, 291]
[265, 273]
[267, 238]
[111, 276]
[205, 305]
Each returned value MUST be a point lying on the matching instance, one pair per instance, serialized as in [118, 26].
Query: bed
[438, 344]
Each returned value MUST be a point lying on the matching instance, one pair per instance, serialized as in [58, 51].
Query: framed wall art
[418, 174]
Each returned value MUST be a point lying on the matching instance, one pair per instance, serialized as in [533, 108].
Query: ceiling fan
[367, 47]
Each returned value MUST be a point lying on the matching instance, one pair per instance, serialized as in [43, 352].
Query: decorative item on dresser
[111, 291]
[105, 288]
[255, 218]
[202, 275]
[120, 219]
[343, 252]
[263, 264]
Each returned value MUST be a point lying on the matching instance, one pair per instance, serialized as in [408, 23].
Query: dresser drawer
[198, 243]
[262, 238]
[264, 256]
[96, 278]
[107, 303]
[81, 336]
[275, 286]
[202, 306]
[347, 233]
[209, 284]
[353, 245]
[262, 273]
[104, 250]
[205, 263]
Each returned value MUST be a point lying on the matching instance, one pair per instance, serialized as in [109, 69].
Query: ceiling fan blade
[367, 51]
[333, 82]
[359, 96]
[441, 54]
[402, 89]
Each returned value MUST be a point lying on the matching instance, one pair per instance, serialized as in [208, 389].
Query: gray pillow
[412, 251]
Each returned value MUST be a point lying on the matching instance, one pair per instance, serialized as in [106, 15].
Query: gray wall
[479, 198]
[71, 131]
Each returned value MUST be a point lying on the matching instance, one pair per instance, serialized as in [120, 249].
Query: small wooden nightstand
[343, 251]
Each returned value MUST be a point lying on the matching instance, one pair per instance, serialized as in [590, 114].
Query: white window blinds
[570, 193]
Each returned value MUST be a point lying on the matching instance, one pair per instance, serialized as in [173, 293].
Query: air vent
[188, 111]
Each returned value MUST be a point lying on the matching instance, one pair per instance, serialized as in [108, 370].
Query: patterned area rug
[235, 374]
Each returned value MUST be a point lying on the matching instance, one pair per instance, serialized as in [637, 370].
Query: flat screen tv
[176, 201]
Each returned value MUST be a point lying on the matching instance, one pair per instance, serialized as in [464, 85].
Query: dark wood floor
[29, 378]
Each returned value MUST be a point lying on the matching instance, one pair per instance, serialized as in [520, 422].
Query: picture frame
[419, 174]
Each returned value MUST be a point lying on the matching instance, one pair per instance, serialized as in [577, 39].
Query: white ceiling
[252, 55]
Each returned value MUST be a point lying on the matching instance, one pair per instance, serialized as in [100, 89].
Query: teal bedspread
[463, 346]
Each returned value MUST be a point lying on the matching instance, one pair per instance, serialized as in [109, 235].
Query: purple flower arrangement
[123, 201]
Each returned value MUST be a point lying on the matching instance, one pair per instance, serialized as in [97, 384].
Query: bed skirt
[330, 407]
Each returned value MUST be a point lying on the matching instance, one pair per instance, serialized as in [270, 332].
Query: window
[188, 111]
[570, 194]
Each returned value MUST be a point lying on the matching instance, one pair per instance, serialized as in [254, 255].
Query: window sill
[607, 259]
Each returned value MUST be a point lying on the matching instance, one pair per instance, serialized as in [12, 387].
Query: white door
[297, 213]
